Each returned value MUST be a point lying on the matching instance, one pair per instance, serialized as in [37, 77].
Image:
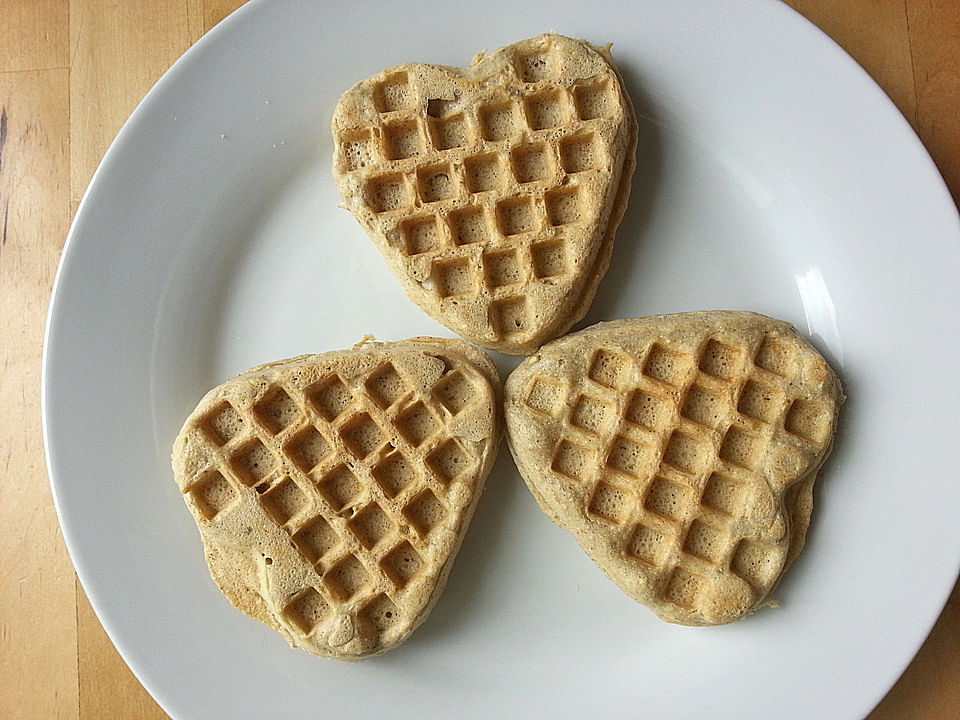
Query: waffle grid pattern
[491, 195]
[366, 459]
[682, 437]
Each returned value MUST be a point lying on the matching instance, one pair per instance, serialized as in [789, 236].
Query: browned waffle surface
[493, 191]
[680, 451]
[332, 491]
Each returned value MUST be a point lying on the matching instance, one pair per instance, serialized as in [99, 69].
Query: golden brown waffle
[680, 451]
[493, 191]
[332, 491]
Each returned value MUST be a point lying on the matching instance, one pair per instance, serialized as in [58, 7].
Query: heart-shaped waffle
[680, 451]
[493, 191]
[332, 491]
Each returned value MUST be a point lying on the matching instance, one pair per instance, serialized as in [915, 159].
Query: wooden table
[70, 73]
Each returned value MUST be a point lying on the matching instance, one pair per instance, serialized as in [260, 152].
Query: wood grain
[119, 50]
[38, 632]
[71, 71]
[935, 48]
[34, 35]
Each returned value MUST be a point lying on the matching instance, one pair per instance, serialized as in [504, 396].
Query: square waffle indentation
[315, 539]
[575, 461]
[545, 395]
[394, 94]
[308, 448]
[331, 397]
[667, 498]
[359, 149]
[223, 423]
[420, 235]
[703, 406]
[416, 424]
[536, 66]
[595, 100]
[610, 368]
[253, 462]
[547, 109]
[687, 452]
[501, 268]
[648, 545]
[499, 120]
[665, 365]
[381, 613]
[449, 132]
[566, 206]
[719, 360]
[339, 487]
[386, 193]
[723, 494]
[449, 461]
[401, 564]
[454, 392]
[454, 277]
[346, 578]
[705, 541]
[592, 415]
[809, 420]
[508, 316]
[579, 153]
[758, 564]
[484, 172]
[394, 473]
[212, 494]
[306, 610]
[775, 356]
[684, 588]
[425, 512]
[646, 410]
[284, 501]
[742, 449]
[550, 259]
[385, 385]
[276, 410]
[362, 435]
[469, 225]
[402, 140]
[436, 182]
[760, 402]
[631, 458]
[610, 503]
[517, 216]
[370, 525]
[532, 162]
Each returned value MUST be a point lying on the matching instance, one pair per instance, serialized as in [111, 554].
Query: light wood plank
[935, 43]
[216, 10]
[120, 49]
[34, 35]
[38, 670]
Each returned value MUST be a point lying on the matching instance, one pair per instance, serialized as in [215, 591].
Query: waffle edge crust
[680, 451]
[493, 192]
[332, 491]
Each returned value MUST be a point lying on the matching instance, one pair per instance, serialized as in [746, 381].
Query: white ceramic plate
[773, 175]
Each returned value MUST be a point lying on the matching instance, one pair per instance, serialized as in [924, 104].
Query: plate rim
[210, 39]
